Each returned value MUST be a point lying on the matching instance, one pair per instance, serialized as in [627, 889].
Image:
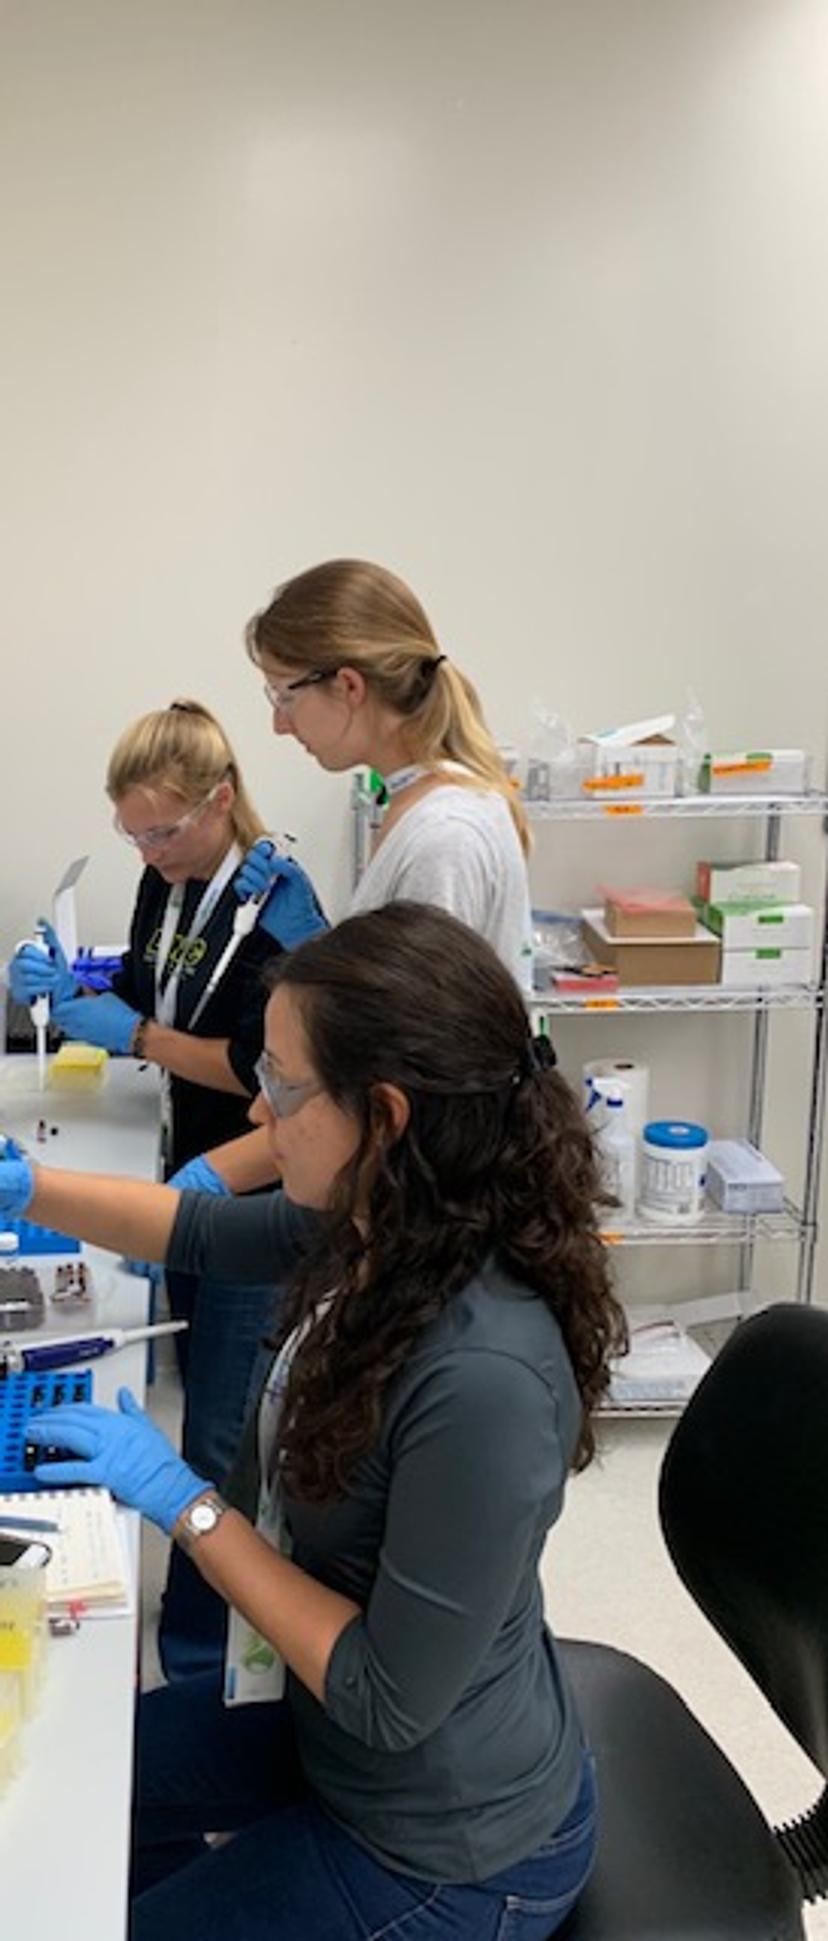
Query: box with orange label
[622, 764]
[762, 771]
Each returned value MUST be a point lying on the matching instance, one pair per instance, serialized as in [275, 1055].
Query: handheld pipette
[39, 1011]
[244, 922]
[61, 1353]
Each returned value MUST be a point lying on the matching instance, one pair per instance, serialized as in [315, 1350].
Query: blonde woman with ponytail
[354, 671]
[190, 997]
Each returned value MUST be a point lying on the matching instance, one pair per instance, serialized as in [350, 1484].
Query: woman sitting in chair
[445, 1343]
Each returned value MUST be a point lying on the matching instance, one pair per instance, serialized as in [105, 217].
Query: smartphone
[21, 1552]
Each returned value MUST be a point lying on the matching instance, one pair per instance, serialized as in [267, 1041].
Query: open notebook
[89, 1559]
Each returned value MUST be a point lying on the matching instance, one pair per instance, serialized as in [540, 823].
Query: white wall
[529, 301]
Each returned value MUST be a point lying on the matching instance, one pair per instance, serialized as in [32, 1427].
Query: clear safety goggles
[282, 1098]
[282, 698]
[158, 837]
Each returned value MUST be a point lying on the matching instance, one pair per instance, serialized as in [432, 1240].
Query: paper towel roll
[624, 1076]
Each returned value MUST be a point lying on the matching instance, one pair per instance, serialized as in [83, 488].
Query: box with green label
[752, 926]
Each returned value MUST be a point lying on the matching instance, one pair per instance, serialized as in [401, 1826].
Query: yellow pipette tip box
[78, 1068]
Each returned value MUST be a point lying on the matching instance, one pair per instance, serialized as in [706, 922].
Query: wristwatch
[137, 1043]
[201, 1517]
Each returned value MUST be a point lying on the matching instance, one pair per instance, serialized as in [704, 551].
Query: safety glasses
[163, 833]
[282, 698]
[282, 1098]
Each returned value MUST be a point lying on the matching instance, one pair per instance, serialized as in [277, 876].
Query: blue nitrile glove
[292, 911]
[120, 1449]
[196, 1175]
[16, 1186]
[32, 974]
[104, 1020]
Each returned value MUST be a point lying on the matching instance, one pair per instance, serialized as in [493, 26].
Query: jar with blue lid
[673, 1171]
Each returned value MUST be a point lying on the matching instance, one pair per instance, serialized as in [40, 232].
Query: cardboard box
[741, 1180]
[748, 882]
[639, 759]
[744, 969]
[648, 913]
[743, 926]
[762, 771]
[653, 961]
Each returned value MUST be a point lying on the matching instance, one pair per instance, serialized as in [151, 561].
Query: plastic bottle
[616, 1148]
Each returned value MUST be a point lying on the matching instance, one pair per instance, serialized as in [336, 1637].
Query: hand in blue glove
[122, 1450]
[198, 1176]
[34, 974]
[104, 1020]
[292, 911]
[16, 1186]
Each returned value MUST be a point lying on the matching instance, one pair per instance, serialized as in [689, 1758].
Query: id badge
[254, 1671]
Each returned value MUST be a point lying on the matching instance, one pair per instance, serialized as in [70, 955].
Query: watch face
[203, 1516]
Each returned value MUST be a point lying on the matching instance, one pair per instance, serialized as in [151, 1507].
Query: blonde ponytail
[350, 613]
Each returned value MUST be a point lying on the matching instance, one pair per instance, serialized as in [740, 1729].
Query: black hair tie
[539, 1056]
[429, 665]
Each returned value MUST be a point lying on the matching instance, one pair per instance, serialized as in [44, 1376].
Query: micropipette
[61, 1353]
[39, 1007]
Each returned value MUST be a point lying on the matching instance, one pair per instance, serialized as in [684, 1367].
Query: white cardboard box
[784, 926]
[767, 771]
[742, 969]
[741, 1180]
[639, 759]
[757, 882]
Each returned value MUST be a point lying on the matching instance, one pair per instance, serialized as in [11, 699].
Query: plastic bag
[552, 761]
[692, 738]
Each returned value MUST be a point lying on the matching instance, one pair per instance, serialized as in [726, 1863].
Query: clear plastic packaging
[557, 944]
[553, 761]
[692, 738]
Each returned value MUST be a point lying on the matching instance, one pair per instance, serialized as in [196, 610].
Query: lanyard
[166, 993]
[401, 778]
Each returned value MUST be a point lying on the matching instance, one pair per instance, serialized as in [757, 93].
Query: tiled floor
[607, 1575]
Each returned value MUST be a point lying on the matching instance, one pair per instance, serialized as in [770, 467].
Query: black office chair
[685, 1854]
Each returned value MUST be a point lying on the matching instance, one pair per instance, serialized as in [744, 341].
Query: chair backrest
[743, 1500]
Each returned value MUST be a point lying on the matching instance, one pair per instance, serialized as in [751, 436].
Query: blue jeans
[222, 1365]
[291, 1873]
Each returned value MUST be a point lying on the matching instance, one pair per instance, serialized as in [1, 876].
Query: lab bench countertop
[64, 1820]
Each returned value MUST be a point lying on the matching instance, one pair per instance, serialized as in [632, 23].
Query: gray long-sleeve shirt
[447, 1742]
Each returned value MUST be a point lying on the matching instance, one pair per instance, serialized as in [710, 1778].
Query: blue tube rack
[40, 1240]
[21, 1397]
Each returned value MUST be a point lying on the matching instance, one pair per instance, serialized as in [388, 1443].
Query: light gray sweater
[447, 1742]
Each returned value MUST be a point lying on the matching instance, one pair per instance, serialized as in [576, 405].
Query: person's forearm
[130, 1216]
[301, 1618]
[245, 1163]
[203, 1060]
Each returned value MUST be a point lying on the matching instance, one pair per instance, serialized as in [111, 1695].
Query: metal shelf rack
[796, 1225]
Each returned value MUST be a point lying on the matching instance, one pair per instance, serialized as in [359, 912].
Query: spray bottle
[616, 1148]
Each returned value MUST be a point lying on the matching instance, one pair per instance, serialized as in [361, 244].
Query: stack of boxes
[766, 933]
[651, 937]
[745, 928]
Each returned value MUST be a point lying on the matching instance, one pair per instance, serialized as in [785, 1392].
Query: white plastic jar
[673, 1171]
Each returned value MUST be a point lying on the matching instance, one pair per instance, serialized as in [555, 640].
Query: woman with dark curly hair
[444, 1346]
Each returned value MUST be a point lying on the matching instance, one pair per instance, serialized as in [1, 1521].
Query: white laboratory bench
[64, 1820]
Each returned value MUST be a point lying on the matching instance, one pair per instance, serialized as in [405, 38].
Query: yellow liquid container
[78, 1068]
[10, 1715]
[23, 1629]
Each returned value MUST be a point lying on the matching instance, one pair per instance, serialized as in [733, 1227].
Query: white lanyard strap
[166, 993]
